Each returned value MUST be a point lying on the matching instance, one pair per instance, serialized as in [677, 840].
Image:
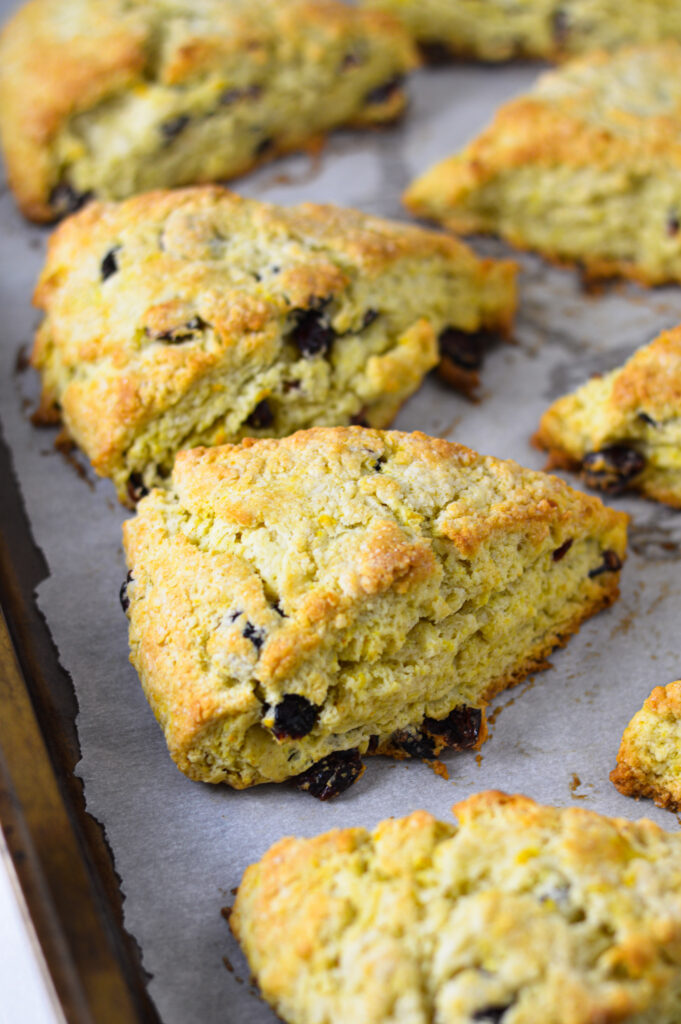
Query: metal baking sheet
[180, 847]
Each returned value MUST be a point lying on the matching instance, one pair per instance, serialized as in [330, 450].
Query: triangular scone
[116, 97]
[297, 603]
[649, 758]
[623, 430]
[585, 168]
[193, 317]
[521, 914]
[551, 29]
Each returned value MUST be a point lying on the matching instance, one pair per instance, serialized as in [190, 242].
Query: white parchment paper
[181, 847]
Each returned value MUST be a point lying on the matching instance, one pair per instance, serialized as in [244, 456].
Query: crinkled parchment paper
[179, 846]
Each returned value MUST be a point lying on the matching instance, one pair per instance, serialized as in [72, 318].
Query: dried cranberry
[491, 1014]
[562, 551]
[183, 332]
[414, 743]
[460, 729]
[386, 91]
[560, 26]
[265, 146]
[249, 92]
[332, 775]
[262, 416]
[611, 563]
[465, 350]
[123, 593]
[435, 52]
[312, 333]
[136, 487]
[171, 128]
[65, 199]
[612, 468]
[109, 264]
[294, 717]
[350, 61]
[255, 635]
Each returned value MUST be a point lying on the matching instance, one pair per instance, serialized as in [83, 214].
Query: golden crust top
[236, 266]
[651, 379]
[519, 912]
[188, 224]
[468, 497]
[665, 700]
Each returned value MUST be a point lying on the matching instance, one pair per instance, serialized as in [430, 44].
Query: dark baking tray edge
[59, 851]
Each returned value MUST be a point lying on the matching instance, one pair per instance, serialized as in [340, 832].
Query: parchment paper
[180, 847]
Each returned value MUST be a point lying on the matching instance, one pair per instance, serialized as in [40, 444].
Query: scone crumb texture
[520, 914]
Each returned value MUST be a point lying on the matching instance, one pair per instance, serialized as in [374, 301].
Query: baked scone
[121, 96]
[585, 168]
[297, 603]
[196, 317]
[522, 914]
[649, 758]
[551, 29]
[623, 430]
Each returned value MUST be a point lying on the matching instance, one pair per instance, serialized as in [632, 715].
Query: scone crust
[522, 913]
[647, 761]
[239, 270]
[337, 549]
[637, 405]
[63, 58]
[602, 114]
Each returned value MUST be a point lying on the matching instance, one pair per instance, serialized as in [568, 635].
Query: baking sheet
[181, 847]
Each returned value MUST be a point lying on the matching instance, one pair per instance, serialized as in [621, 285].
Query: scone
[195, 317]
[623, 430]
[649, 758]
[551, 29]
[297, 603]
[522, 914]
[585, 168]
[121, 96]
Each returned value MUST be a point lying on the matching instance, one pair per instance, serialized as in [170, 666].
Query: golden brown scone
[297, 603]
[649, 758]
[193, 317]
[551, 29]
[585, 168]
[121, 96]
[623, 430]
[522, 914]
